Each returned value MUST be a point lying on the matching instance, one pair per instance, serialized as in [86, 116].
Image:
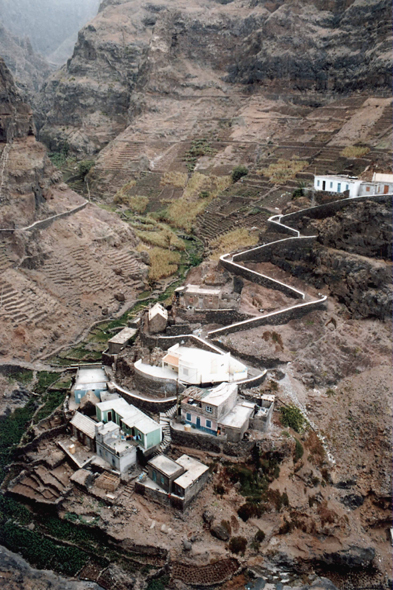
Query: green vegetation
[45, 380]
[84, 167]
[238, 173]
[52, 400]
[238, 545]
[292, 417]
[259, 537]
[12, 428]
[199, 147]
[60, 158]
[299, 451]
[158, 583]
[22, 376]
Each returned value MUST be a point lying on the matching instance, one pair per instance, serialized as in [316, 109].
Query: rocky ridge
[187, 50]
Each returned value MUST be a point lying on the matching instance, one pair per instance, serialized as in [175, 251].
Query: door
[386, 189]
[109, 416]
[198, 423]
[154, 475]
[324, 185]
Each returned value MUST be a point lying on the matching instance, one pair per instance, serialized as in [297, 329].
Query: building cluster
[381, 184]
[220, 411]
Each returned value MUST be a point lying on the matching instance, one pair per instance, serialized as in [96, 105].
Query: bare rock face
[193, 49]
[16, 118]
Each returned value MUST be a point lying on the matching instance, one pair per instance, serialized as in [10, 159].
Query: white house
[218, 411]
[196, 366]
[157, 318]
[381, 184]
[90, 379]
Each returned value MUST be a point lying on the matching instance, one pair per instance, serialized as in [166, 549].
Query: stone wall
[275, 318]
[147, 405]
[328, 209]
[264, 253]
[256, 277]
[212, 316]
[211, 444]
[156, 386]
[45, 223]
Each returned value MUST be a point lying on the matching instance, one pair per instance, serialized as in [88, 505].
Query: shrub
[219, 490]
[299, 451]
[292, 417]
[238, 545]
[232, 241]
[257, 540]
[238, 173]
[284, 170]
[84, 167]
[250, 509]
[354, 151]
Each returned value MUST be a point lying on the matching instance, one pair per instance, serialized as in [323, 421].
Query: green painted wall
[153, 438]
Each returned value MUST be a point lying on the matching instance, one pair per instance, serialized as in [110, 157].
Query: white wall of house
[334, 184]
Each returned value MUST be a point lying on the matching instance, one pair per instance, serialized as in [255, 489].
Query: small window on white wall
[209, 409]
[339, 187]
[188, 416]
[318, 182]
[331, 185]
[347, 187]
[208, 424]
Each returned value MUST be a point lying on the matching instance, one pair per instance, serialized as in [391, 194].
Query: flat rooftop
[89, 376]
[198, 290]
[124, 336]
[194, 469]
[238, 416]
[165, 465]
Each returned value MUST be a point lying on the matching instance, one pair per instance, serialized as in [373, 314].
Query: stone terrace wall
[328, 209]
[210, 443]
[45, 223]
[273, 319]
[256, 277]
[264, 253]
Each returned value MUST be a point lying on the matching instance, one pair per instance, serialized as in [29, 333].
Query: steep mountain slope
[188, 50]
[45, 22]
[53, 283]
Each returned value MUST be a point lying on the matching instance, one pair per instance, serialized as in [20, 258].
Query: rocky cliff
[193, 50]
[53, 283]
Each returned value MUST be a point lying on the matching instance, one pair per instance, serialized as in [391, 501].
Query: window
[331, 185]
[162, 479]
[209, 409]
[347, 187]
[185, 371]
[339, 187]
[208, 424]
[318, 183]
[188, 417]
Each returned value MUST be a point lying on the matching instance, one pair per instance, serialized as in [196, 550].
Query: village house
[196, 366]
[89, 379]
[379, 185]
[135, 425]
[175, 482]
[157, 319]
[217, 411]
[83, 429]
[115, 448]
[122, 338]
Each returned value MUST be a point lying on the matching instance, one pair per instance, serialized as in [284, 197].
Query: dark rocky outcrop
[172, 49]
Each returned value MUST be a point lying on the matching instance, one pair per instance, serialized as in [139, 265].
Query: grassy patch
[199, 148]
[354, 151]
[163, 238]
[238, 238]
[45, 380]
[12, 428]
[284, 170]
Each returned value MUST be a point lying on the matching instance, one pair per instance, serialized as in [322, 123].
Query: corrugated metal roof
[84, 424]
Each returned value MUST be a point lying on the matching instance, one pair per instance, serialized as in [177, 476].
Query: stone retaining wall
[45, 223]
[210, 443]
[264, 253]
[321, 211]
[273, 319]
[256, 277]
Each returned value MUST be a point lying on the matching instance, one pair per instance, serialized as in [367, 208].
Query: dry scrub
[178, 179]
[162, 237]
[184, 211]
[354, 151]
[283, 170]
[163, 263]
[238, 238]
